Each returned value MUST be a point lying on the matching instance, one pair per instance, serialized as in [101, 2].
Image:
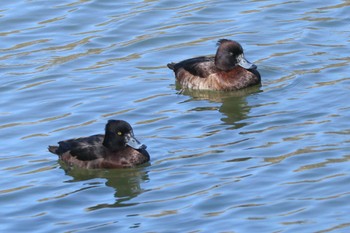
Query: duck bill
[243, 62]
[133, 142]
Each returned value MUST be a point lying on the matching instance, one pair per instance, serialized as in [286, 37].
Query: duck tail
[171, 65]
[53, 149]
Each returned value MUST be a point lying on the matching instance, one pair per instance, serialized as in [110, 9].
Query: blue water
[273, 158]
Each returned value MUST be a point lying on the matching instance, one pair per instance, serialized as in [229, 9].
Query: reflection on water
[126, 182]
[233, 104]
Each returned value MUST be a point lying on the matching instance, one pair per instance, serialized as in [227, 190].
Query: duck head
[229, 54]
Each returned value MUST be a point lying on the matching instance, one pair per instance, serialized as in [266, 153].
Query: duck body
[118, 148]
[228, 70]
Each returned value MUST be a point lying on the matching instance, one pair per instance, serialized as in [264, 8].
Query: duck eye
[120, 133]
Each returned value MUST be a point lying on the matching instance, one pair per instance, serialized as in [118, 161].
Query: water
[273, 158]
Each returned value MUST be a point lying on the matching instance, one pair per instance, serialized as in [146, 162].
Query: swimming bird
[117, 148]
[228, 70]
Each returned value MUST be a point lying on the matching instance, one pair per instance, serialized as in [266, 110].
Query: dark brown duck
[228, 70]
[117, 148]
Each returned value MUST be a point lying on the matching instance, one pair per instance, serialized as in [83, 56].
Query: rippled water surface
[273, 158]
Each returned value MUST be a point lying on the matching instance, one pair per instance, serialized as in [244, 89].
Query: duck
[228, 70]
[117, 148]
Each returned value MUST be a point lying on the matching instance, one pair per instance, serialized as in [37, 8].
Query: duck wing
[86, 148]
[198, 66]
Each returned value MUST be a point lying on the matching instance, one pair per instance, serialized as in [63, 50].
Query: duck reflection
[234, 105]
[126, 182]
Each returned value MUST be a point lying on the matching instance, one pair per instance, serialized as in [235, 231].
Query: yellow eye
[119, 133]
